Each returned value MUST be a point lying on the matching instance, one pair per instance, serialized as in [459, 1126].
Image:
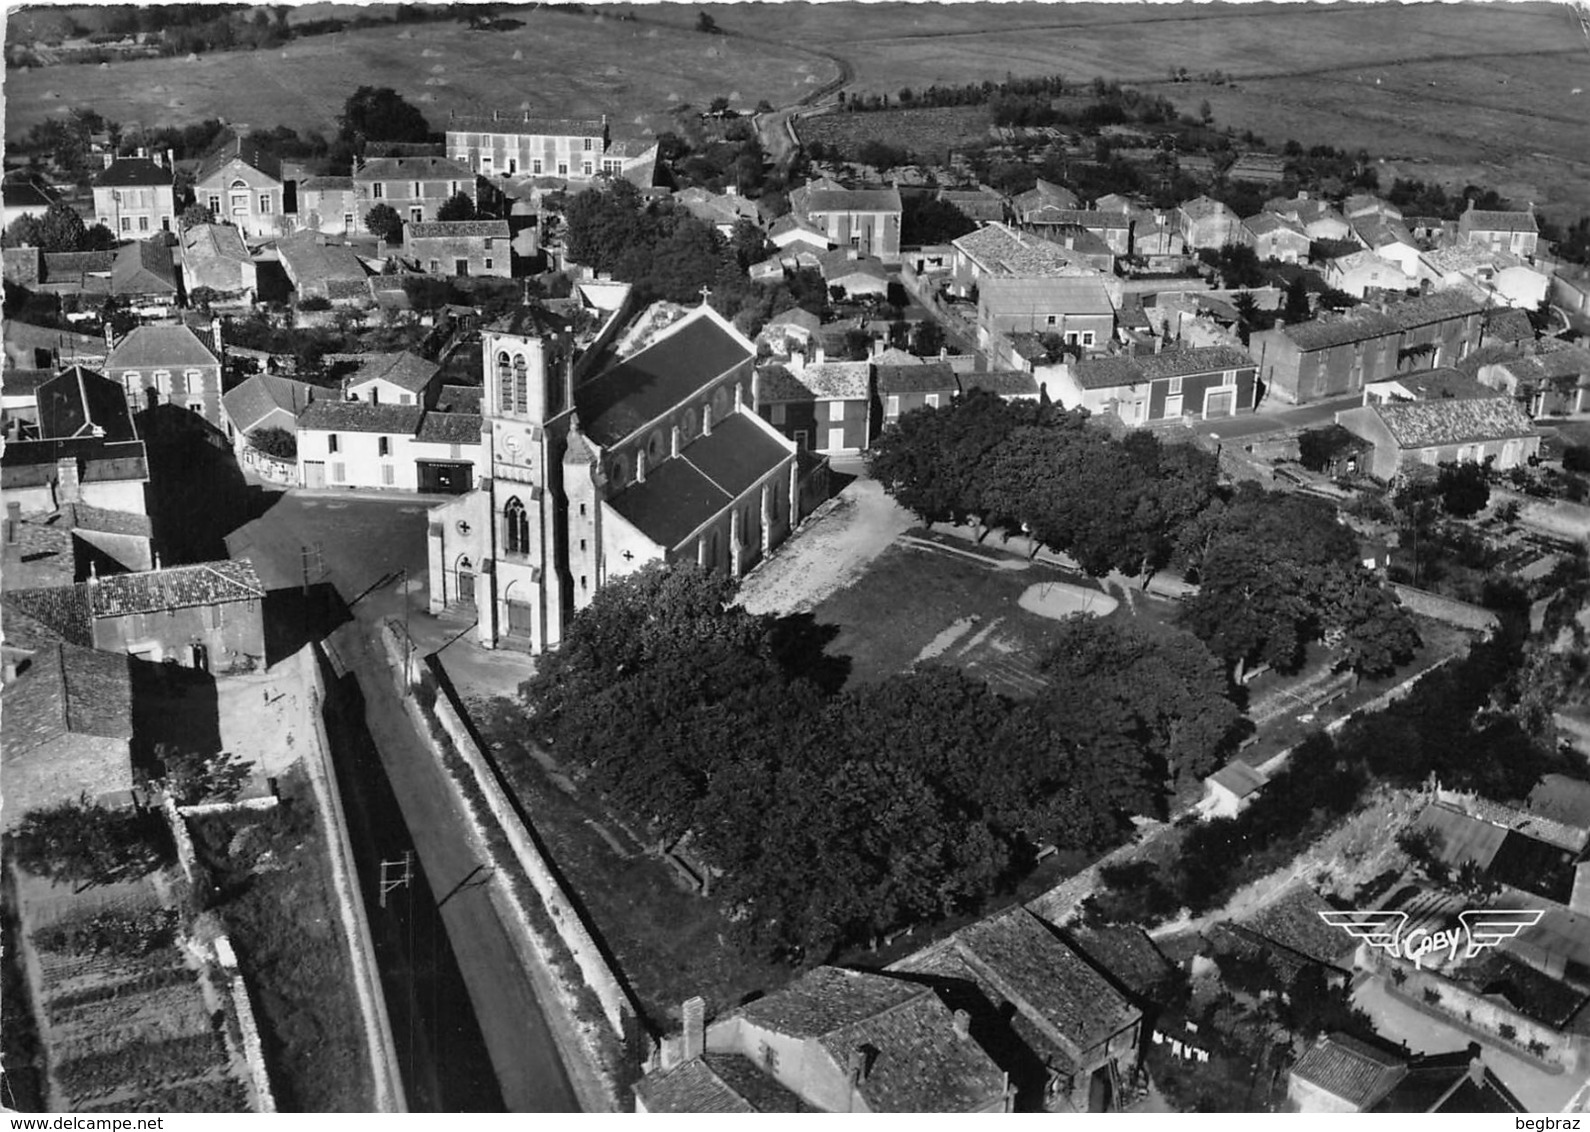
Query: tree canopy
[380, 114]
[459, 206]
[383, 221]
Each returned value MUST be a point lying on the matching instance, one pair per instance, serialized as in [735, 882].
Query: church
[660, 455]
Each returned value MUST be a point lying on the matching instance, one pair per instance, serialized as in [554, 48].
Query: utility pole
[396, 875]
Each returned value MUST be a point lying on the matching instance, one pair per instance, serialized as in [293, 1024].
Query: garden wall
[1484, 1017]
[1438, 608]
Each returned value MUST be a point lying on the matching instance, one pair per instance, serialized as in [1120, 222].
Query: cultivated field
[558, 64]
[1478, 92]
[929, 133]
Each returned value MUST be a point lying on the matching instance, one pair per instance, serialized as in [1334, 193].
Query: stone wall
[1438, 608]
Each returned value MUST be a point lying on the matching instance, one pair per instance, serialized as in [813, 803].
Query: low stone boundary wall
[253, 1050]
[1453, 612]
[576, 937]
[389, 1095]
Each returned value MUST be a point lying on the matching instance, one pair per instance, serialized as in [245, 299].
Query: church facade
[660, 456]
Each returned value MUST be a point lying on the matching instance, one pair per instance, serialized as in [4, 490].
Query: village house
[87, 450]
[329, 204]
[214, 258]
[265, 401]
[999, 251]
[68, 732]
[1289, 935]
[792, 235]
[511, 143]
[1112, 229]
[1446, 431]
[1317, 218]
[1230, 790]
[857, 276]
[133, 197]
[923, 385]
[1515, 232]
[399, 378]
[144, 275]
[241, 184]
[1076, 308]
[1500, 274]
[460, 247]
[723, 211]
[413, 187]
[170, 365]
[207, 616]
[867, 220]
[318, 268]
[1207, 383]
[1362, 272]
[661, 456]
[1328, 357]
[1550, 381]
[1426, 385]
[822, 406]
[387, 446]
[1015, 976]
[76, 273]
[831, 1041]
[1158, 243]
[1570, 289]
[1045, 194]
[1340, 1073]
[1274, 237]
[1389, 239]
[1207, 223]
[1368, 204]
[981, 205]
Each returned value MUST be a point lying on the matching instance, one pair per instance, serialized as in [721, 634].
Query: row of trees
[1276, 570]
[60, 229]
[833, 816]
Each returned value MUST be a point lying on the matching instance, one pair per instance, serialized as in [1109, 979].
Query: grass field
[1466, 92]
[558, 64]
[936, 600]
[930, 132]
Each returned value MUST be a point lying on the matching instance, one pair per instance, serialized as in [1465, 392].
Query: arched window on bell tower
[504, 383]
[521, 384]
[516, 527]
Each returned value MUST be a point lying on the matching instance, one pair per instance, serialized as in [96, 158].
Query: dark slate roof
[456, 229]
[1430, 424]
[312, 260]
[1002, 383]
[359, 416]
[160, 347]
[1080, 217]
[683, 492]
[450, 428]
[929, 377]
[176, 587]
[126, 172]
[80, 401]
[59, 266]
[415, 169]
[144, 268]
[86, 518]
[32, 463]
[1508, 325]
[916, 1062]
[460, 398]
[1353, 1070]
[261, 394]
[849, 200]
[520, 122]
[234, 146]
[691, 1086]
[637, 390]
[69, 690]
[1532, 993]
[407, 370]
[1444, 1082]
[1030, 965]
[747, 1079]
[61, 611]
[1293, 921]
[530, 320]
[326, 184]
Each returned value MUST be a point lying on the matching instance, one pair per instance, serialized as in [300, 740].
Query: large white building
[660, 456]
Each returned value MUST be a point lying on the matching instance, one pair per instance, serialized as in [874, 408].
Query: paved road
[1278, 419]
[362, 541]
[521, 1046]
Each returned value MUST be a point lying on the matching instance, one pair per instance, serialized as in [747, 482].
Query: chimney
[640, 466]
[215, 335]
[739, 396]
[706, 420]
[171, 160]
[963, 1024]
[694, 1012]
[143, 152]
[13, 523]
[1476, 1064]
[1280, 324]
[67, 489]
[10, 671]
[818, 353]
[108, 159]
[673, 447]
